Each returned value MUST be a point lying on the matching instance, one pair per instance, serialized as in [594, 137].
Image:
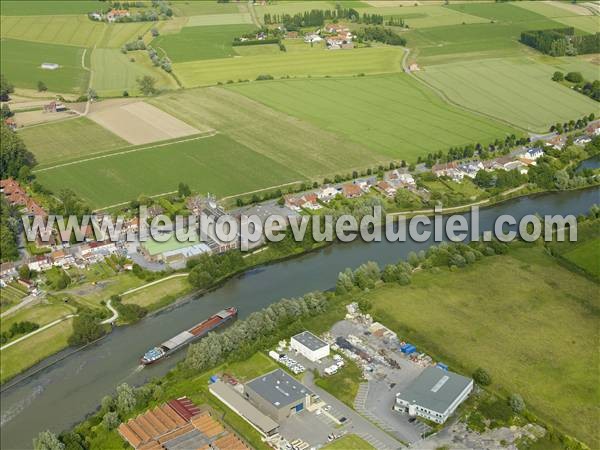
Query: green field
[217, 164]
[118, 34]
[533, 327]
[199, 7]
[586, 256]
[50, 8]
[349, 442]
[318, 63]
[519, 91]
[21, 61]
[393, 114]
[55, 142]
[114, 72]
[151, 296]
[218, 19]
[200, 43]
[67, 30]
[425, 16]
[305, 147]
[587, 24]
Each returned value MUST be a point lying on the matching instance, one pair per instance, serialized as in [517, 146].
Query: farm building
[279, 395]
[264, 424]
[49, 66]
[310, 346]
[434, 395]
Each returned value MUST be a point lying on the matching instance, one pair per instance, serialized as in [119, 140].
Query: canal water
[59, 396]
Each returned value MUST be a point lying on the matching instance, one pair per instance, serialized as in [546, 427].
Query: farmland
[37, 8]
[21, 61]
[585, 255]
[56, 142]
[206, 164]
[412, 121]
[218, 19]
[307, 63]
[511, 329]
[196, 8]
[117, 34]
[519, 91]
[201, 42]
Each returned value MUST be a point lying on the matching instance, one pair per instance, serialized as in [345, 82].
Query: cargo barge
[187, 337]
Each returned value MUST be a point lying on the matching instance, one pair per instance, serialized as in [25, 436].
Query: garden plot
[141, 123]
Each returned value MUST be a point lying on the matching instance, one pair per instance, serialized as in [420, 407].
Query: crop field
[196, 8]
[218, 19]
[426, 16]
[511, 328]
[114, 72]
[585, 255]
[553, 9]
[56, 142]
[118, 34]
[292, 7]
[200, 43]
[515, 90]
[214, 164]
[47, 8]
[21, 61]
[66, 30]
[587, 24]
[411, 120]
[290, 142]
[310, 63]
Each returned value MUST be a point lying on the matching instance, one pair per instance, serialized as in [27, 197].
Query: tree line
[380, 34]
[561, 42]
[588, 88]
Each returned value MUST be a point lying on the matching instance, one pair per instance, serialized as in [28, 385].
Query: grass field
[67, 30]
[56, 142]
[201, 42]
[393, 114]
[41, 8]
[218, 19]
[349, 442]
[587, 24]
[21, 61]
[153, 296]
[41, 314]
[217, 164]
[195, 8]
[426, 16]
[586, 256]
[310, 63]
[518, 91]
[305, 147]
[114, 72]
[510, 326]
[118, 34]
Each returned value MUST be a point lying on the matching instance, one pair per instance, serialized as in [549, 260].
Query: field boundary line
[262, 189]
[124, 152]
[103, 208]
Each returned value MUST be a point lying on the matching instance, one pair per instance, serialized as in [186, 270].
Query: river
[59, 396]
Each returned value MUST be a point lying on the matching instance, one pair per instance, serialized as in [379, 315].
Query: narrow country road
[115, 315]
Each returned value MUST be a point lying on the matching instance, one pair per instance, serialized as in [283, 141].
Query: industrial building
[310, 346]
[279, 395]
[434, 395]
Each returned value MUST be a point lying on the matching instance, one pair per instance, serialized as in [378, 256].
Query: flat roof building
[434, 395]
[310, 346]
[279, 395]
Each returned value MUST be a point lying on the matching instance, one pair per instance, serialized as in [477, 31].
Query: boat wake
[16, 409]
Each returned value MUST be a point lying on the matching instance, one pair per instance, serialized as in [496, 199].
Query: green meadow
[586, 256]
[518, 90]
[317, 63]
[47, 8]
[198, 7]
[118, 34]
[21, 64]
[218, 19]
[207, 165]
[392, 114]
[535, 333]
[201, 42]
[55, 142]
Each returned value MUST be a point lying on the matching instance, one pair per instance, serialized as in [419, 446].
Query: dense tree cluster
[128, 312]
[589, 88]
[207, 269]
[16, 329]
[380, 34]
[86, 328]
[499, 179]
[312, 18]
[561, 42]
[6, 88]
[14, 155]
[9, 227]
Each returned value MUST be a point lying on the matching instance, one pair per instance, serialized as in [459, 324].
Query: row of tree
[561, 42]
[314, 17]
[16, 329]
[589, 88]
[573, 125]
[380, 34]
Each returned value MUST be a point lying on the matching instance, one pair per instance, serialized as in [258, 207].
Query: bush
[264, 77]
[516, 403]
[558, 76]
[110, 420]
[574, 77]
[481, 377]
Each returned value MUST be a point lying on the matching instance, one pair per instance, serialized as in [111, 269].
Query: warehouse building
[310, 346]
[278, 395]
[434, 395]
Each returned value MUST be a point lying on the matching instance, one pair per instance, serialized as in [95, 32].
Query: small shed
[50, 66]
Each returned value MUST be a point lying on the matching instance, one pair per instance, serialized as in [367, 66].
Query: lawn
[586, 256]
[201, 42]
[21, 61]
[40, 8]
[206, 165]
[41, 314]
[532, 324]
[317, 63]
[519, 91]
[55, 142]
[393, 114]
[159, 294]
[305, 147]
[78, 31]
[114, 72]
[344, 384]
[23, 355]
[349, 442]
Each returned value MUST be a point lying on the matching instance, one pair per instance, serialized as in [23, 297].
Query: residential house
[291, 35]
[366, 183]
[39, 263]
[516, 165]
[306, 201]
[442, 170]
[557, 142]
[582, 140]
[470, 169]
[350, 190]
[327, 193]
[534, 153]
[116, 14]
[337, 28]
[456, 175]
[8, 270]
[386, 188]
[10, 123]
[594, 129]
[313, 37]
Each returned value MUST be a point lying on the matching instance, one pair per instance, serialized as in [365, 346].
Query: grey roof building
[278, 394]
[309, 345]
[434, 395]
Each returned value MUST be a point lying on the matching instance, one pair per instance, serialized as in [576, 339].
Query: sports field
[535, 333]
[303, 64]
[391, 114]
[114, 72]
[67, 30]
[216, 164]
[56, 142]
[291, 142]
[43, 8]
[21, 61]
[518, 91]
[201, 42]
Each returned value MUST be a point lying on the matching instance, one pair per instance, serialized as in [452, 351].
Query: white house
[326, 194]
[310, 346]
[434, 395]
[534, 153]
[309, 38]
